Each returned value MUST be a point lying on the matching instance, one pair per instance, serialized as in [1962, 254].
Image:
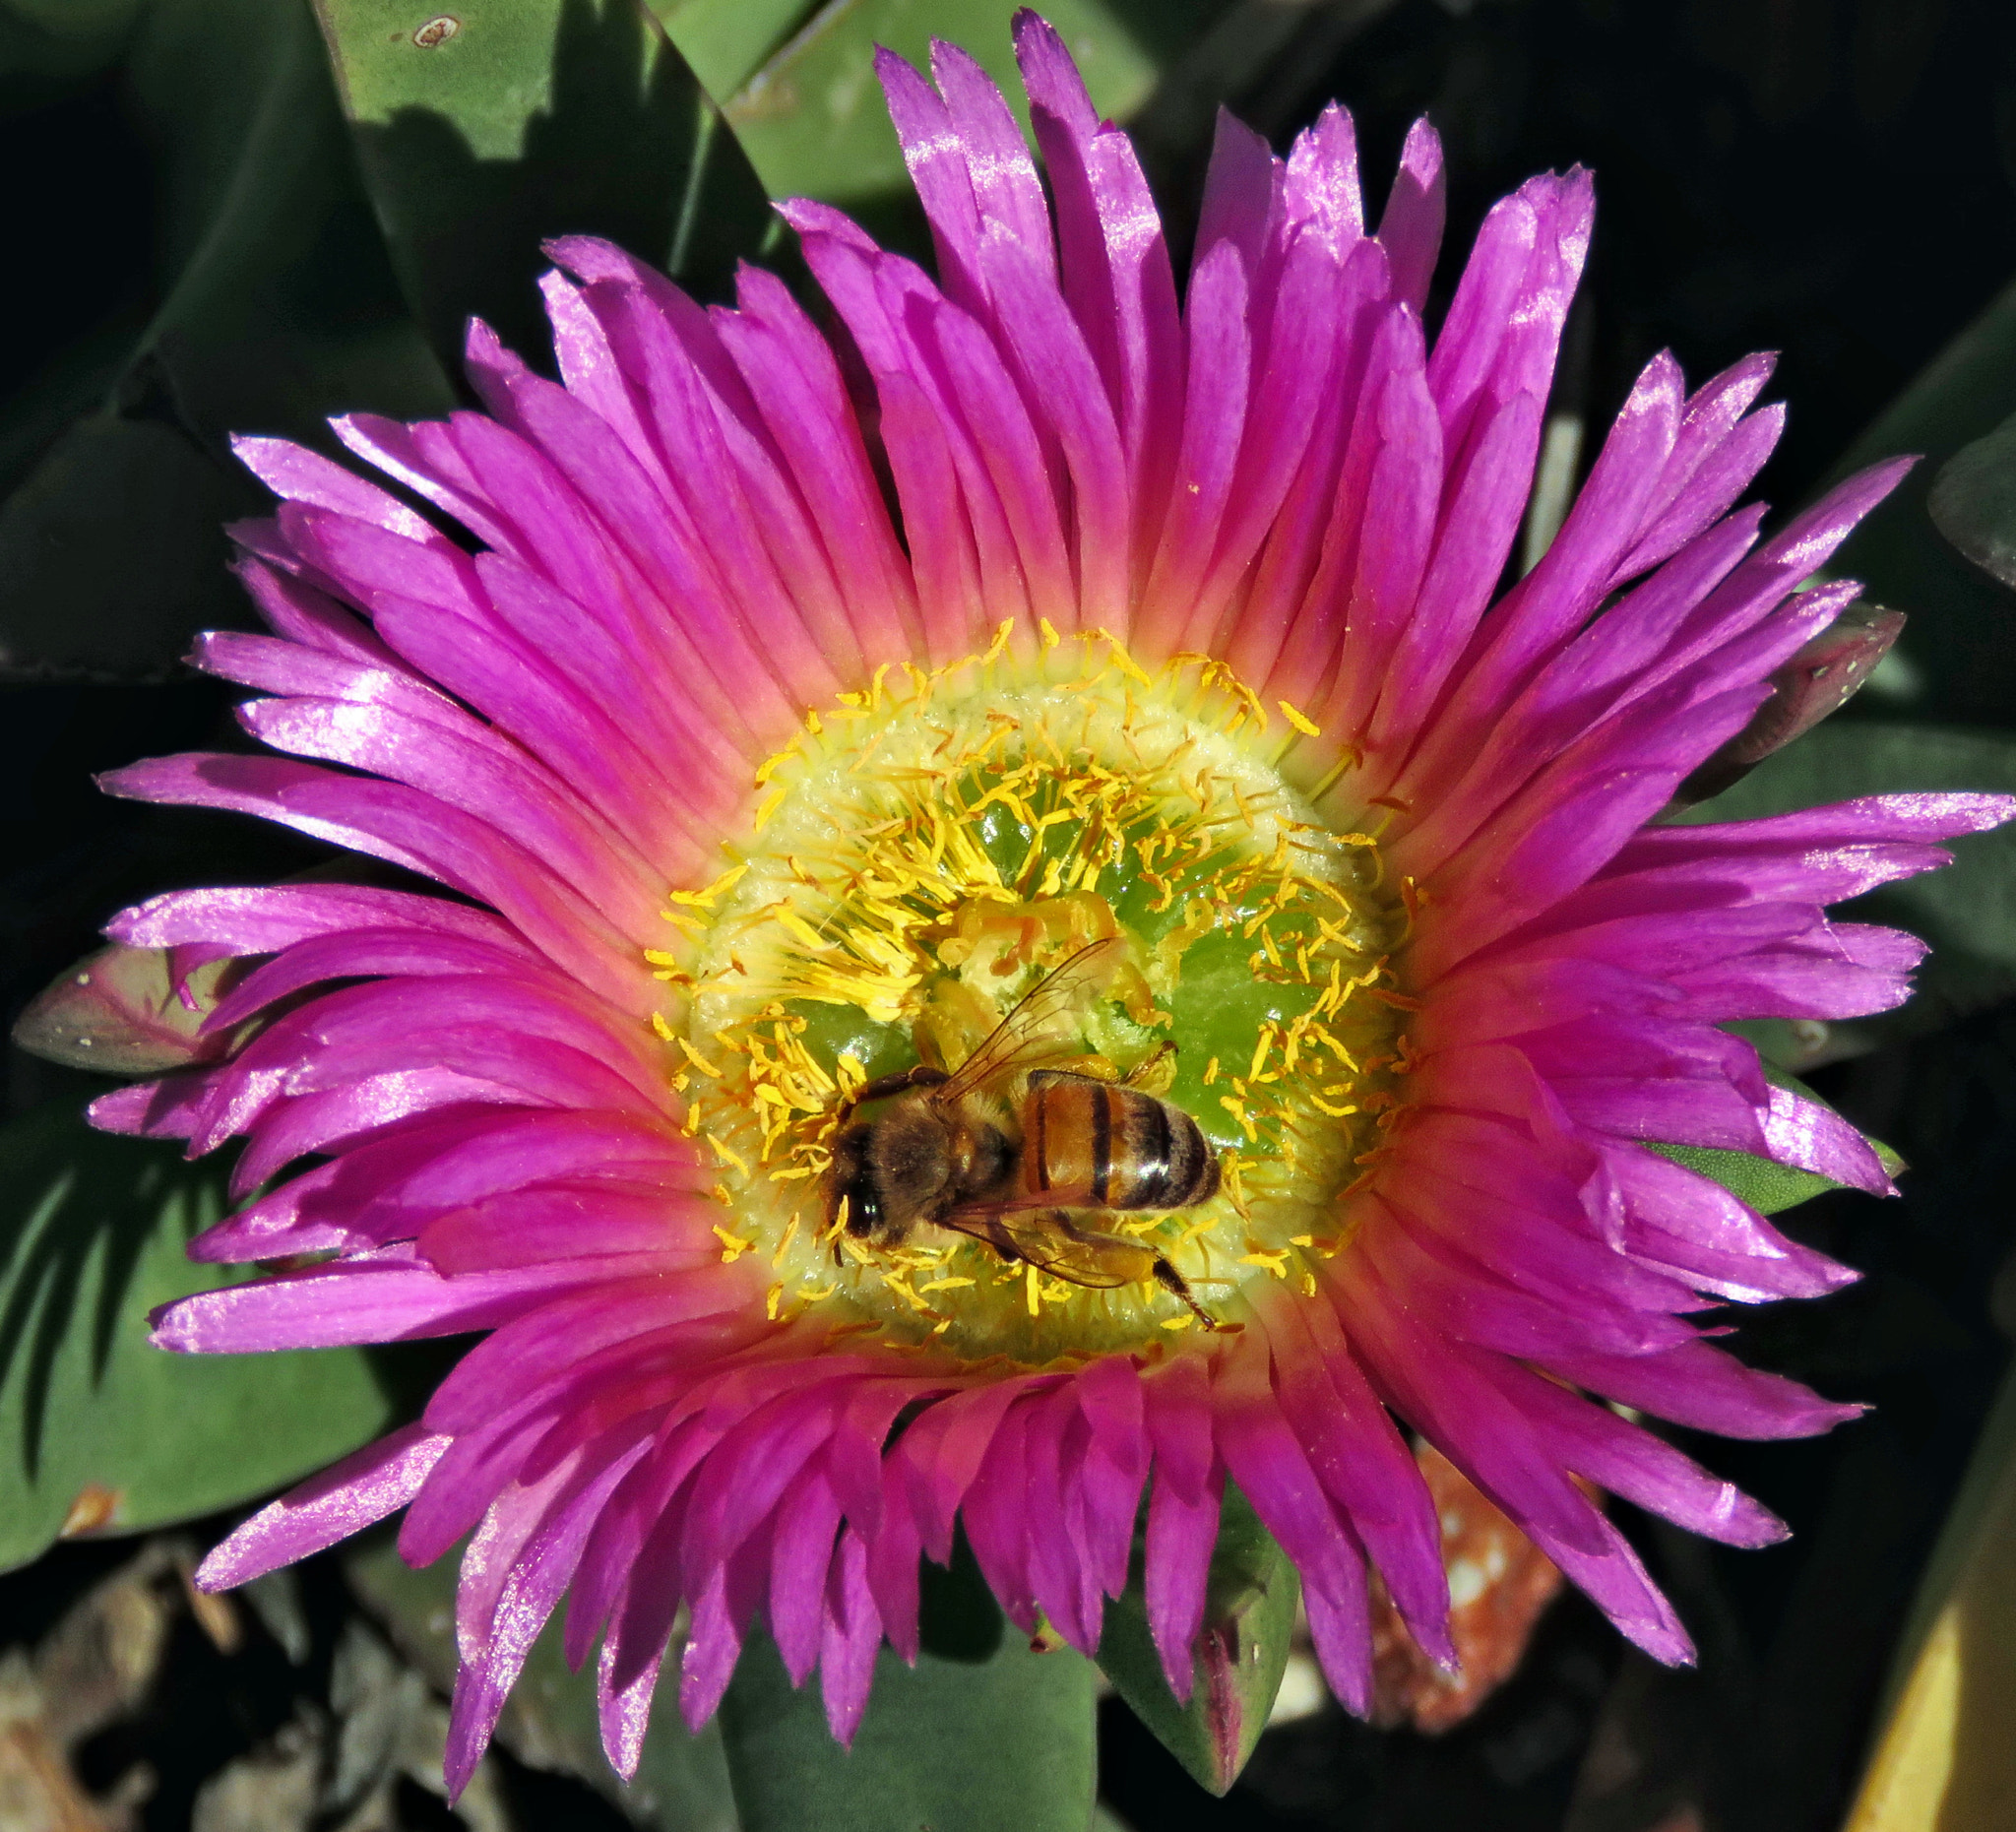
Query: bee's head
[853, 1177]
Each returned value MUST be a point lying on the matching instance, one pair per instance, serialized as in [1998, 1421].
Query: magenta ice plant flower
[788, 705]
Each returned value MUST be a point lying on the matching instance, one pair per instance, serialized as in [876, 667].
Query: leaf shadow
[82, 1210]
[628, 147]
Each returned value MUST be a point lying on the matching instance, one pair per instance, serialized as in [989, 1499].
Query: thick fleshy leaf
[99, 1431]
[282, 308]
[549, 1722]
[484, 133]
[1945, 1750]
[55, 43]
[1766, 1185]
[812, 116]
[1966, 910]
[983, 1735]
[1972, 501]
[277, 307]
[1957, 661]
[726, 41]
[1249, 1620]
[112, 554]
[1816, 683]
[119, 1012]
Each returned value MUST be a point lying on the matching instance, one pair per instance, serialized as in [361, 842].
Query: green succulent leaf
[119, 1012]
[1972, 501]
[483, 133]
[112, 554]
[276, 308]
[281, 307]
[550, 1721]
[1768, 1186]
[45, 46]
[726, 41]
[811, 115]
[983, 1735]
[1956, 659]
[1249, 1620]
[98, 1428]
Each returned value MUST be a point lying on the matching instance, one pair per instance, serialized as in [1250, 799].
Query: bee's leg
[1170, 1279]
[1154, 1073]
[918, 1075]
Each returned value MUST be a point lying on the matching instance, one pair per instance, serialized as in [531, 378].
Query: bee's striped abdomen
[1092, 1145]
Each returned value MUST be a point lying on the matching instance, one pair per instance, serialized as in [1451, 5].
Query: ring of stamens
[923, 855]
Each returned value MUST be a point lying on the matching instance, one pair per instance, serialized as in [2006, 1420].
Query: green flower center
[925, 859]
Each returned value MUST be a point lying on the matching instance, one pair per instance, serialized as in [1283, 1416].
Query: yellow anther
[726, 1153]
[1299, 720]
[705, 899]
[699, 1061]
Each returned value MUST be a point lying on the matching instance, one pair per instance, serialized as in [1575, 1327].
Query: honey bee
[952, 1150]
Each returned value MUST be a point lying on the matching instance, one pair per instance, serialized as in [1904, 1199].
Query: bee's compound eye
[863, 1207]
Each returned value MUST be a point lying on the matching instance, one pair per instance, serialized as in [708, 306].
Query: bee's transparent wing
[1050, 1242]
[1024, 1036]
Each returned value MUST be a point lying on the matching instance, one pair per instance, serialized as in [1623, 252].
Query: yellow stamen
[699, 1061]
[934, 847]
